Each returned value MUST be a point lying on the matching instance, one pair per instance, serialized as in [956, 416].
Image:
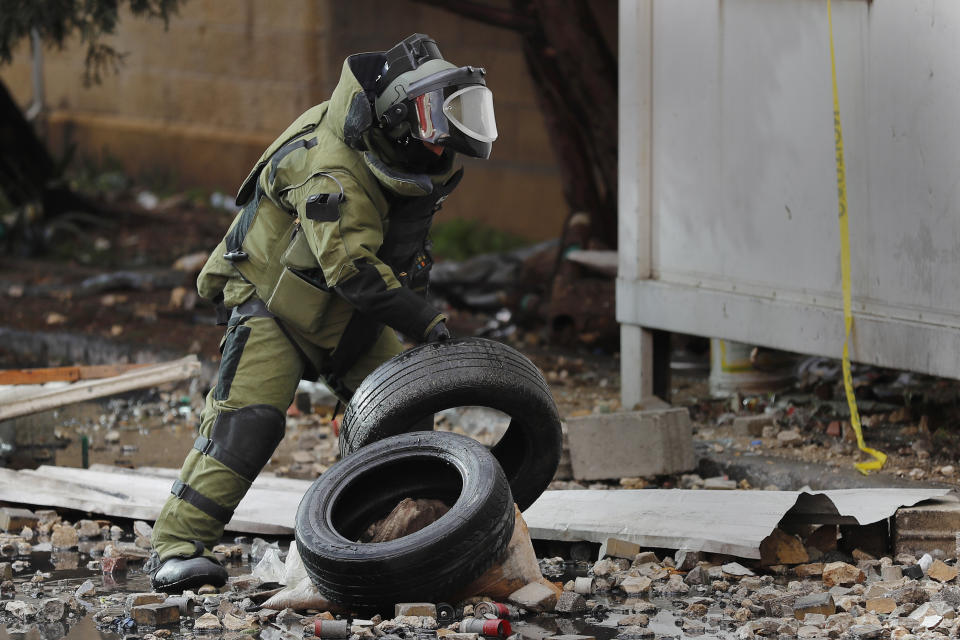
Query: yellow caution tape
[879, 457]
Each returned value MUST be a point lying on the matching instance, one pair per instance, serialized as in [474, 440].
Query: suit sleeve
[345, 237]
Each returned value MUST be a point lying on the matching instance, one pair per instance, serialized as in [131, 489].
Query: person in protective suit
[327, 259]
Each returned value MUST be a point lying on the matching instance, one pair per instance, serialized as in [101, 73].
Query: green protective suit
[326, 258]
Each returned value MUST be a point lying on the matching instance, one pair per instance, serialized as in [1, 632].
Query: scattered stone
[911, 593]
[21, 610]
[696, 576]
[616, 548]
[633, 585]
[644, 557]
[604, 567]
[736, 569]
[206, 622]
[13, 519]
[865, 631]
[782, 548]
[156, 614]
[88, 529]
[235, 623]
[720, 483]
[811, 570]
[942, 572]
[53, 609]
[634, 620]
[881, 605]
[85, 589]
[821, 603]
[891, 573]
[841, 573]
[148, 597]
[676, 585]
[751, 426]
[571, 602]
[789, 437]
[535, 596]
[697, 610]
[687, 560]
[47, 516]
[415, 609]
[6, 571]
[113, 565]
[913, 571]
[64, 537]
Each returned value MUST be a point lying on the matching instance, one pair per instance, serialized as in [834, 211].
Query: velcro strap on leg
[190, 495]
[232, 461]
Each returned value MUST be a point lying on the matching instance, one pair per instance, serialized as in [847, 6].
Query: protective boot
[178, 573]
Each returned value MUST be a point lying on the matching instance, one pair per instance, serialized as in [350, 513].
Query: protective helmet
[421, 95]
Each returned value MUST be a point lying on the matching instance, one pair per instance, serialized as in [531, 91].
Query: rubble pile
[797, 590]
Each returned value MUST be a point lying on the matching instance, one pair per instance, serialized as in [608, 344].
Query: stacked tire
[386, 457]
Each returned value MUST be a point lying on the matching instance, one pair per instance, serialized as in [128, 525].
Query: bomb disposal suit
[327, 258]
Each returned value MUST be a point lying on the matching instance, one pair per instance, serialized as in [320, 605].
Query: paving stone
[157, 614]
[630, 444]
[814, 603]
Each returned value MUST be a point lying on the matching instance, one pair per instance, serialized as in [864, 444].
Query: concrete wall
[198, 103]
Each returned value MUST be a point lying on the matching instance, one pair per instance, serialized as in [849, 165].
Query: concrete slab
[629, 444]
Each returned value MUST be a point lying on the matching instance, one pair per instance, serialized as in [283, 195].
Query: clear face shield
[463, 119]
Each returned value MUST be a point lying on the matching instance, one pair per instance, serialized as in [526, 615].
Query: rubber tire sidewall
[425, 565]
[464, 372]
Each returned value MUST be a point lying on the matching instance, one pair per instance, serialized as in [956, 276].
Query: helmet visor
[471, 110]
[468, 110]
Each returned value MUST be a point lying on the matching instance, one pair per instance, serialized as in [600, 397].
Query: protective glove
[439, 333]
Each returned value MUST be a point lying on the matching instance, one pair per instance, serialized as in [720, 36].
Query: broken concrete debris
[638, 443]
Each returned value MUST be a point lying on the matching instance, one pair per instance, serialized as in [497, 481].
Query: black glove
[438, 333]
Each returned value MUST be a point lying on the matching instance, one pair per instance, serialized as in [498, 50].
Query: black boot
[185, 572]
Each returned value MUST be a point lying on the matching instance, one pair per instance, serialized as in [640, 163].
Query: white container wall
[728, 197]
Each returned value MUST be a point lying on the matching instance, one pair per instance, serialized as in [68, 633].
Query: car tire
[418, 383]
[423, 566]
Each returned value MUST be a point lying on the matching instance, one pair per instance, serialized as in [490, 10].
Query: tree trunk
[26, 168]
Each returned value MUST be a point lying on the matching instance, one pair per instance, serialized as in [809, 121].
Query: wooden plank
[65, 374]
[140, 378]
[129, 494]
